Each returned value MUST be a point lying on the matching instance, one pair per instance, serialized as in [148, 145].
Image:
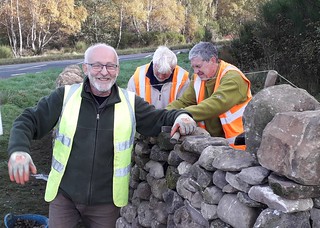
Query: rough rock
[274, 218]
[291, 190]
[70, 75]
[265, 195]
[266, 104]
[290, 146]
[235, 213]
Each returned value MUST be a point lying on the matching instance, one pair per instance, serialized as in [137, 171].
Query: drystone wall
[202, 182]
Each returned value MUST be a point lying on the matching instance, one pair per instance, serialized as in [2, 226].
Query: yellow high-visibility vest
[124, 131]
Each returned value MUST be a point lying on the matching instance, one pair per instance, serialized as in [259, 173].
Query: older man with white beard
[94, 134]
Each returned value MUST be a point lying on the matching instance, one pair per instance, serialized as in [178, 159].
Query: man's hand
[185, 124]
[19, 165]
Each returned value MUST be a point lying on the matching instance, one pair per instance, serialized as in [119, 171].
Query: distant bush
[80, 46]
[5, 52]
[285, 38]
[151, 39]
[170, 38]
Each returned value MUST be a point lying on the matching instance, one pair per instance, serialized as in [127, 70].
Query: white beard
[103, 85]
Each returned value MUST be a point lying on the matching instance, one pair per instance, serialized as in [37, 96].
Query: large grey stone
[236, 182]
[265, 195]
[254, 175]
[209, 154]
[291, 190]
[234, 160]
[235, 213]
[196, 144]
[290, 146]
[273, 218]
[266, 104]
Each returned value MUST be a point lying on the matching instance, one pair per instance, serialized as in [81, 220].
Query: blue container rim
[10, 219]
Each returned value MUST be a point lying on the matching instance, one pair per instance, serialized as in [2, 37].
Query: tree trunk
[19, 28]
[120, 26]
[11, 34]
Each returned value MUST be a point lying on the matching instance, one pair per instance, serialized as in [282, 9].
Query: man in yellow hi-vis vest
[161, 81]
[217, 95]
[95, 127]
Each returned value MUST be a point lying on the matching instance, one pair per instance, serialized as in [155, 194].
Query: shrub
[284, 38]
[80, 46]
[5, 52]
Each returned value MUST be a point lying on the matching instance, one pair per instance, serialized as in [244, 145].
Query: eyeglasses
[99, 67]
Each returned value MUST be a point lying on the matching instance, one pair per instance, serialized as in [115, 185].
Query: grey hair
[165, 59]
[88, 51]
[204, 50]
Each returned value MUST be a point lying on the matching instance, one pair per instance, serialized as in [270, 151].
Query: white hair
[164, 59]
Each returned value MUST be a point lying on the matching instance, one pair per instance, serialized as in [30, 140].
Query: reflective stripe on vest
[231, 120]
[180, 77]
[124, 131]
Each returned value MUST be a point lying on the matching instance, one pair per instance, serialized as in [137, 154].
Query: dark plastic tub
[10, 219]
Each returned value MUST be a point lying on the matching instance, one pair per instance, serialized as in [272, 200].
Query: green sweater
[231, 91]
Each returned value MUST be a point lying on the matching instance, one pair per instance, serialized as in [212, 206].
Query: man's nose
[104, 70]
[195, 71]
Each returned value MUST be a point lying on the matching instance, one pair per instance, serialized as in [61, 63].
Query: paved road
[8, 71]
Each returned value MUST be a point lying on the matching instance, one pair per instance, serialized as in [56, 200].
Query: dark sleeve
[35, 122]
[149, 119]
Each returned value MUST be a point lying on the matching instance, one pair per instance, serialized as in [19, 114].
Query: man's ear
[213, 60]
[85, 68]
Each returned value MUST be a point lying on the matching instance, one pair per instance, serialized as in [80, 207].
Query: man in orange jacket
[161, 81]
[217, 95]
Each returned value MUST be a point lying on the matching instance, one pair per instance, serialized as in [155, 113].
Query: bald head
[96, 49]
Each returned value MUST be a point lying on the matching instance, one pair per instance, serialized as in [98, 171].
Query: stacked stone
[70, 75]
[202, 182]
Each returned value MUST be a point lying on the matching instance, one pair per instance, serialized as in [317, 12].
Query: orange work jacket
[231, 120]
[180, 77]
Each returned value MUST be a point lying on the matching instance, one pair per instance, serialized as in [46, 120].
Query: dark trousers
[63, 213]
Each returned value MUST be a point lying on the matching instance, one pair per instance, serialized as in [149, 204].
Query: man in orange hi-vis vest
[161, 81]
[217, 95]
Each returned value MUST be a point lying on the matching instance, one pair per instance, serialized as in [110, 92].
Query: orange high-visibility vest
[180, 77]
[231, 120]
